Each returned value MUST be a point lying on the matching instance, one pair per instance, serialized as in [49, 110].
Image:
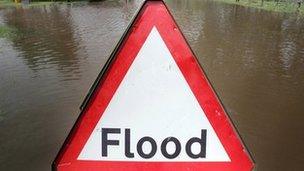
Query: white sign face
[154, 101]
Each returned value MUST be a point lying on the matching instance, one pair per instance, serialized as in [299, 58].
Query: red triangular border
[152, 13]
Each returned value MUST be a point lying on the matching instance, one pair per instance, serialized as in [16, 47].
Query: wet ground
[253, 58]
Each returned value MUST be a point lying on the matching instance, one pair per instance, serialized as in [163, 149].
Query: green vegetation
[6, 3]
[11, 3]
[277, 6]
[6, 32]
[41, 3]
[1, 115]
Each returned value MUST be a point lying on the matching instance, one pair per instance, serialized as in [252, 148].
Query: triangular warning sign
[170, 108]
[152, 108]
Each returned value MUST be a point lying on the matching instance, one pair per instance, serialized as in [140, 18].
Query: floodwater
[253, 58]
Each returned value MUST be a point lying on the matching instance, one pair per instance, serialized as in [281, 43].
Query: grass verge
[285, 7]
[6, 32]
[8, 3]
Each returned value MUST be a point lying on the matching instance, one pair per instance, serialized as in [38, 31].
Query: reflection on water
[45, 72]
[254, 59]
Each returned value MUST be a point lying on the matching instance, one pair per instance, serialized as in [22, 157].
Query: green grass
[41, 3]
[285, 7]
[5, 3]
[6, 32]
[8, 3]
[1, 116]
[11, 3]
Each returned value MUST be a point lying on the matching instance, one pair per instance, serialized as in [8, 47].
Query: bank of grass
[10, 3]
[6, 32]
[41, 3]
[1, 115]
[285, 7]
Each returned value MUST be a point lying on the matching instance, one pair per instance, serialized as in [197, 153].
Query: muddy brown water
[253, 58]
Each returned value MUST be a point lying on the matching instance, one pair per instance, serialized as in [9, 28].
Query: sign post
[152, 108]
